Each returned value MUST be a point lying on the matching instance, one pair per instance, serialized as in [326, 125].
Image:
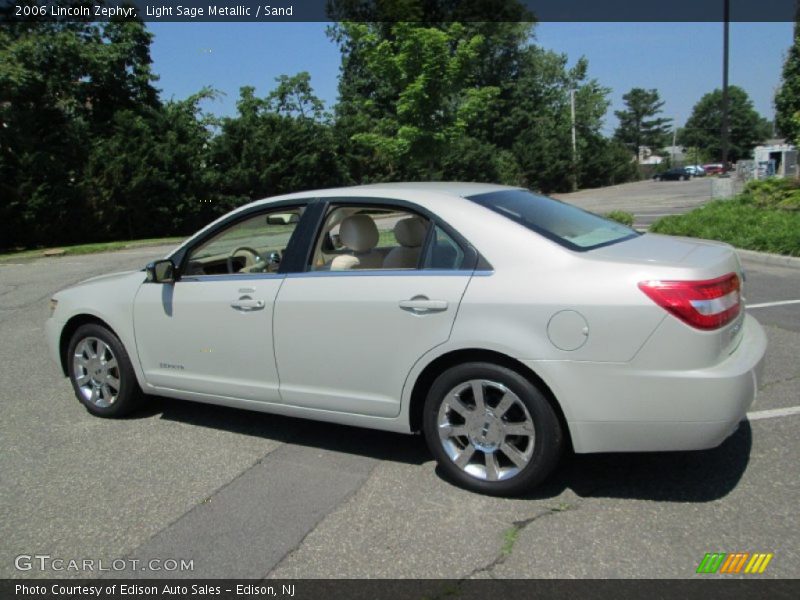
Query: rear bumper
[619, 408]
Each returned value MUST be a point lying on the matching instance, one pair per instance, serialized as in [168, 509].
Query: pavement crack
[778, 382]
[510, 537]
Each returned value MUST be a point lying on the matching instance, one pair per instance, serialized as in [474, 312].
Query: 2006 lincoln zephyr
[500, 323]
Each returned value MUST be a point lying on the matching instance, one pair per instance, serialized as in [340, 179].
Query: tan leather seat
[359, 234]
[410, 234]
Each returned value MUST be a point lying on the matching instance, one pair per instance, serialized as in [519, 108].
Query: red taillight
[708, 304]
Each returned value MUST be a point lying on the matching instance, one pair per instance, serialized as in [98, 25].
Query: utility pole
[674, 141]
[725, 36]
[574, 142]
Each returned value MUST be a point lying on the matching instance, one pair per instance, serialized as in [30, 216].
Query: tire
[101, 372]
[476, 450]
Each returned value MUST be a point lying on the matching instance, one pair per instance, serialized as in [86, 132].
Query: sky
[682, 61]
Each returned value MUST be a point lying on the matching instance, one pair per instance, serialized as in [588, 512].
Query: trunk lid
[684, 259]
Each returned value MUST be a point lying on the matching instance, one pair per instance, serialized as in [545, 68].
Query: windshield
[563, 223]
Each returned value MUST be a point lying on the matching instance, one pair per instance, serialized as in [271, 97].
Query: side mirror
[160, 271]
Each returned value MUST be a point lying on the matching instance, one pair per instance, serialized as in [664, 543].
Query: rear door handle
[247, 304]
[422, 305]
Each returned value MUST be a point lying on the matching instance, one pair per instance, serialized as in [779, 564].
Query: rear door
[345, 340]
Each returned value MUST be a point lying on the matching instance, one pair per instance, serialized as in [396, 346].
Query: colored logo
[736, 562]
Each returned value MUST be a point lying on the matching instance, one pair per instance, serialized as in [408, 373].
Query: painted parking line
[773, 413]
[768, 304]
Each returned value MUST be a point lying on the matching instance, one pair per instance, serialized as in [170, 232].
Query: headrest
[359, 233]
[410, 232]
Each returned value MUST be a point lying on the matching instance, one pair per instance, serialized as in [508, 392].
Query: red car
[714, 169]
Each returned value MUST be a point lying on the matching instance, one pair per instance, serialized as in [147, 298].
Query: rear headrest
[359, 233]
[410, 232]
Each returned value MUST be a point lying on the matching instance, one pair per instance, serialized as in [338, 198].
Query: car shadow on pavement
[700, 476]
[380, 445]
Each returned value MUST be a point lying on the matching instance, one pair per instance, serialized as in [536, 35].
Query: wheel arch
[69, 329]
[455, 357]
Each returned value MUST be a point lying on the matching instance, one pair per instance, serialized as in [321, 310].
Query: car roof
[451, 188]
[460, 189]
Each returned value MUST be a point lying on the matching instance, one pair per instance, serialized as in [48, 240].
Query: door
[211, 331]
[349, 329]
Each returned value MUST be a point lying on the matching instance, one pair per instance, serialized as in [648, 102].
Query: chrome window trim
[392, 273]
[232, 277]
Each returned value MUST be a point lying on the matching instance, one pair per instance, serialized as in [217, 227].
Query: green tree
[418, 93]
[294, 97]
[147, 176]
[703, 128]
[787, 100]
[263, 151]
[60, 86]
[639, 124]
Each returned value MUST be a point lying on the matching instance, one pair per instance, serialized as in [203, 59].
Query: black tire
[128, 396]
[510, 479]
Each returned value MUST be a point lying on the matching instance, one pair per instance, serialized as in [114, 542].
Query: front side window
[252, 245]
[563, 223]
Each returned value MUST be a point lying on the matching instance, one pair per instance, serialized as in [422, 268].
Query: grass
[510, 537]
[91, 248]
[620, 216]
[744, 222]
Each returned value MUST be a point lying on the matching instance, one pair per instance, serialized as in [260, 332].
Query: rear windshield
[563, 223]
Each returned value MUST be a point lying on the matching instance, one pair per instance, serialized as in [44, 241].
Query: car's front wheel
[101, 372]
[490, 429]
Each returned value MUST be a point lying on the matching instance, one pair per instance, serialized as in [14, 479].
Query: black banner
[226, 11]
[321, 589]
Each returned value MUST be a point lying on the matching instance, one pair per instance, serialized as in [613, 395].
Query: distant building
[646, 156]
[677, 154]
[776, 158]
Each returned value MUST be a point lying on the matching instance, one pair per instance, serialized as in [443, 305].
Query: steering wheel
[256, 256]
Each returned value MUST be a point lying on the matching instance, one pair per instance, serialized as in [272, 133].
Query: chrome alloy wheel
[96, 372]
[486, 430]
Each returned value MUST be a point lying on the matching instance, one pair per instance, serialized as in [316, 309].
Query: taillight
[708, 304]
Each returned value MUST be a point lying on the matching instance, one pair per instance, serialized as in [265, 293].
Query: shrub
[740, 222]
[775, 192]
[620, 216]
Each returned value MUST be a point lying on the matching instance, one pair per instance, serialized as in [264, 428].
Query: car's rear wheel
[490, 429]
[101, 372]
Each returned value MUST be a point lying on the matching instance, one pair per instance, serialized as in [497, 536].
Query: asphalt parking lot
[253, 495]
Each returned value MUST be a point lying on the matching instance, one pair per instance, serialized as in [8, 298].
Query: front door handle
[422, 305]
[247, 304]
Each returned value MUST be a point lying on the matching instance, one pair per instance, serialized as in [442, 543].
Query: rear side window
[443, 252]
[563, 223]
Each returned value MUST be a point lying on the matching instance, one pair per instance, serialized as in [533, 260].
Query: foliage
[747, 128]
[775, 193]
[638, 124]
[787, 100]
[740, 222]
[264, 150]
[89, 152]
[620, 216]
[61, 86]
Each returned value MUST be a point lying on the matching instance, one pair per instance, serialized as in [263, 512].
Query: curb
[767, 258]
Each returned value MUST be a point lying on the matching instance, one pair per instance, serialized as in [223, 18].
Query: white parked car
[695, 170]
[502, 324]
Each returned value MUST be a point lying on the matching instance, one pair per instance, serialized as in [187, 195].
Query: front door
[211, 331]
